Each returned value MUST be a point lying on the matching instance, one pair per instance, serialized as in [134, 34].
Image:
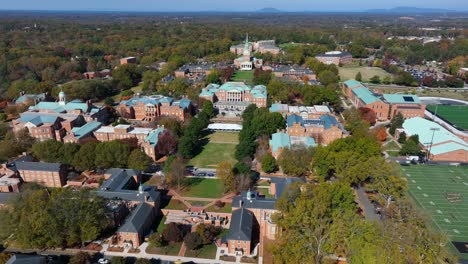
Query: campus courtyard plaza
[221, 146]
[442, 192]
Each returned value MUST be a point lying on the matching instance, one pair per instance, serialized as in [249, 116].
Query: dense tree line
[57, 218]
[91, 155]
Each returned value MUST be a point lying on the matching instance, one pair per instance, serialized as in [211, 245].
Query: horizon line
[385, 10]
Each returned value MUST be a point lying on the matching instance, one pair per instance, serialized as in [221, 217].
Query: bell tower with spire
[247, 48]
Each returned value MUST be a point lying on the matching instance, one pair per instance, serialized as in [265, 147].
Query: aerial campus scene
[211, 131]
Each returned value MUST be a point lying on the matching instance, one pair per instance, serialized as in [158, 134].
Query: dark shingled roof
[26, 259]
[282, 183]
[119, 178]
[137, 218]
[115, 187]
[37, 166]
[255, 202]
[241, 225]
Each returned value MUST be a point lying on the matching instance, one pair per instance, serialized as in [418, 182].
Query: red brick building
[43, 173]
[335, 57]
[151, 107]
[385, 106]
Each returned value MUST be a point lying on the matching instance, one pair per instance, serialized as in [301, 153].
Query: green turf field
[429, 186]
[243, 76]
[349, 72]
[455, 114]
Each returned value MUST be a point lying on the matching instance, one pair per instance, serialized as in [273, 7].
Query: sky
[225, 5]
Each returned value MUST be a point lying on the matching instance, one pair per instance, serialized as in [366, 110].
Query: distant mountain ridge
[409, 9]
[269, 10]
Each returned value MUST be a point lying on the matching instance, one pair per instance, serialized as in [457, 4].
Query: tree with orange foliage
[381, 134]
[368, 115]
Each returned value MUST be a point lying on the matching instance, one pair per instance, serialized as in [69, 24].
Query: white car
[103, 261]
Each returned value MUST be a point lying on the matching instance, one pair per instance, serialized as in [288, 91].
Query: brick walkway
[175, 195]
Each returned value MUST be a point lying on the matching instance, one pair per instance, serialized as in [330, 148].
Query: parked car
[211, 174]
[201, 174]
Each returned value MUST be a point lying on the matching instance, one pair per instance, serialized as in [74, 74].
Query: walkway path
[184, 199]
[365, 204]
[145, 255]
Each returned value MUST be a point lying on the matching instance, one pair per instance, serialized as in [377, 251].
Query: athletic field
[455, 114]
[442, 192]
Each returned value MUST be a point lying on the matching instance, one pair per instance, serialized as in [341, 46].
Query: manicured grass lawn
[243, 76]
[172, 249]
[429, 186]
[349, 72]
[175, 205]
[204, 188]
[161, 225]
[198, 203]
[212, 154]
[392, 146]
[393, 153]
[224, 137]
[135, 89]
[207, 251]
[455, 114]
[227, 208]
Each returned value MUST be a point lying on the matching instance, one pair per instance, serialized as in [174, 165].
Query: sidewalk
[145, 255]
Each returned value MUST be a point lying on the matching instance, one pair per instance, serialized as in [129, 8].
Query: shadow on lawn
[202, 142]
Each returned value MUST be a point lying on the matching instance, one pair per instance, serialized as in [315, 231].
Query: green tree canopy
[138, 160]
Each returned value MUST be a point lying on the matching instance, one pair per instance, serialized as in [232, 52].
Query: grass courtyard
[430, 186]
[455, 114]
[221, 146]
[349, 72]
[203, 188]
[243, 76]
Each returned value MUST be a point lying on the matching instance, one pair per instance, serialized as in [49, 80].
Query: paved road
[366, 206]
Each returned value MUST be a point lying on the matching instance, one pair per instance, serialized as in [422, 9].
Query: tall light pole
[434, 129]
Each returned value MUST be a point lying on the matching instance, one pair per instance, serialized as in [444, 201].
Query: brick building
[239, 238]
[128, 60]
[261, 46]
[282, 140]
[43, 173]
[147, 138]
[324, 130]
[234, 97]
[385, 106]
[80, 134]
[122, 185]
[9, 180]
[149, 108]
[295, 73]
[335, 57]
[54, 120]
[437, 141]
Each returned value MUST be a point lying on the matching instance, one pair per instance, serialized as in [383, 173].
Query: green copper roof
[86, 129]
[153, 136]
[402, 98]
[422, 127]
[448, 147]
[365, 95]
[279, 140]
[353, 83]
